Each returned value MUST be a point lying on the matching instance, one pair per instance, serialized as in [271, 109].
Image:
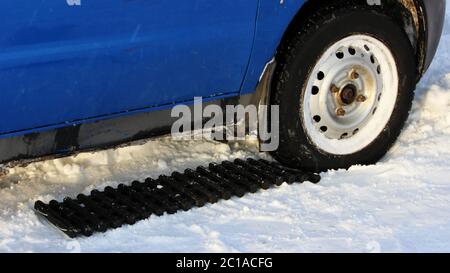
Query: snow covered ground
[400, 204]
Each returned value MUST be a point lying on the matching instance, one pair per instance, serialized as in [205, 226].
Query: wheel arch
[409, 14]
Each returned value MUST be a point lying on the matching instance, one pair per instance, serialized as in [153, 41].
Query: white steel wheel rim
[350, 95]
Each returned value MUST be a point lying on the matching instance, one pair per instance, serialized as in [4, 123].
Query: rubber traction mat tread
[112, 208]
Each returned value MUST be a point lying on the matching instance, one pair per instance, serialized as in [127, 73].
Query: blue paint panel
[61, 63]
[273, 19]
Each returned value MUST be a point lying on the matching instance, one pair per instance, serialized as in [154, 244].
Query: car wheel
[344, 85]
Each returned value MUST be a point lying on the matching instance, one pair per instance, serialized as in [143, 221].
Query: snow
[402, 204]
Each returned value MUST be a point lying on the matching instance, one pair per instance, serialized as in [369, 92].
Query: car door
[64, 61]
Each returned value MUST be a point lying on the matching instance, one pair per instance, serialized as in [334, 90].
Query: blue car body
[65, 63]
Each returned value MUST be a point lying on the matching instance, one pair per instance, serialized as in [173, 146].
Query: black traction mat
[127, 204]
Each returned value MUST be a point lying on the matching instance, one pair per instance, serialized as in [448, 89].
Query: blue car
[87, 74]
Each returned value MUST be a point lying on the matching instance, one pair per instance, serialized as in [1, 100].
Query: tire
[387, 82]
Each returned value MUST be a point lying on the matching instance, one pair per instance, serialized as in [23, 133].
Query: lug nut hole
[344, 135]
[317, 118]
[351, 50]
[320, 76]
[315, 90]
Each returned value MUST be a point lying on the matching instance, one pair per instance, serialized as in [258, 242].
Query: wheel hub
[348, 94]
